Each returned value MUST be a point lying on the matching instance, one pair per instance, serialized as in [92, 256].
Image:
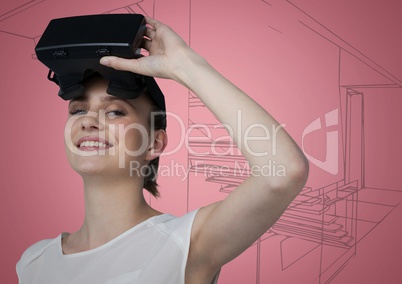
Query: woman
[123, 239]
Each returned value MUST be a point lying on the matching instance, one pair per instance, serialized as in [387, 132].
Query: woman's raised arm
[226, 228]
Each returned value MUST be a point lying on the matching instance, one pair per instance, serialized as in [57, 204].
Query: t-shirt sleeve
[29, 255]
[182, 235]
[179, 230]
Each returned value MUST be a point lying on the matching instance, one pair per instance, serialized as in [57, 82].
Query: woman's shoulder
[33, 251]
[176, 227]
[171, 223]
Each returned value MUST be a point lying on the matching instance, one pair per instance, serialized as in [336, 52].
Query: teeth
[92, 144]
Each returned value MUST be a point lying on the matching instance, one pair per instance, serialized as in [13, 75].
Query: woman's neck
[111, 208]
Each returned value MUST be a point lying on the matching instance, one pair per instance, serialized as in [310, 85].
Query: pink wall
[300, 62]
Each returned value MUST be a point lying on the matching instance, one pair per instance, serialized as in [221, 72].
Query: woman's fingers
[153, 22]
[150, 33]
[146, 44]
[120, 63]
[162, 45]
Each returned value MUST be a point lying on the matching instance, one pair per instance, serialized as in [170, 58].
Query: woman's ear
[157, 145]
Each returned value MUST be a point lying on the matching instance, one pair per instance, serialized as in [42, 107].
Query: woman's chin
[91, 168]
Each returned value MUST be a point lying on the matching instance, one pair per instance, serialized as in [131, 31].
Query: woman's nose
[91, 121]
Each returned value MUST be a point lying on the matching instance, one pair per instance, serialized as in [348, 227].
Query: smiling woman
[123, 239]
[103, 125]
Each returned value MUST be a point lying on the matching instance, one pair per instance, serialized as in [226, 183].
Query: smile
[90, 143]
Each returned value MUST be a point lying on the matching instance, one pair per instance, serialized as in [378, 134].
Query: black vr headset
[72, 47]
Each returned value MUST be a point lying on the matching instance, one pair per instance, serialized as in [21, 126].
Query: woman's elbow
[293, 179]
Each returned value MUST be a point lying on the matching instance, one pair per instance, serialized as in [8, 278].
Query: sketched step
[302, 199]
[332, 228]
[338, 239]
[318, 209]
[326, 219]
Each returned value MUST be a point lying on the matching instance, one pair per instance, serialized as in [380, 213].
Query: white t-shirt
[152, 252]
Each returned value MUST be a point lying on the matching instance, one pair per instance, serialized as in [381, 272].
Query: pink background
[329, 70]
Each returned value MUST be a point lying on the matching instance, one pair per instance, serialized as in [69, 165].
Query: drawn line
[340, 105]
[20, 10]
[295, 261]
[18, 35]
[364, 62]
[145, 13]
[388, 189]
[266, 2]
[395, 78]
[128, 8]
[275, 29]
[372, 86]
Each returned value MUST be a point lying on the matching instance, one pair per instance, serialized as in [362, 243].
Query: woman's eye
[112, 113]
[115, 112]
[77, 111]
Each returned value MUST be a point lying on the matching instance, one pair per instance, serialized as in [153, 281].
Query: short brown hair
[159, 122]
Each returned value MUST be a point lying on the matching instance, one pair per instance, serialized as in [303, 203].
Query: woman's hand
[167, 54]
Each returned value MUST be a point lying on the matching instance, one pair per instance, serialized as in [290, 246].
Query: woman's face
[106, 134]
